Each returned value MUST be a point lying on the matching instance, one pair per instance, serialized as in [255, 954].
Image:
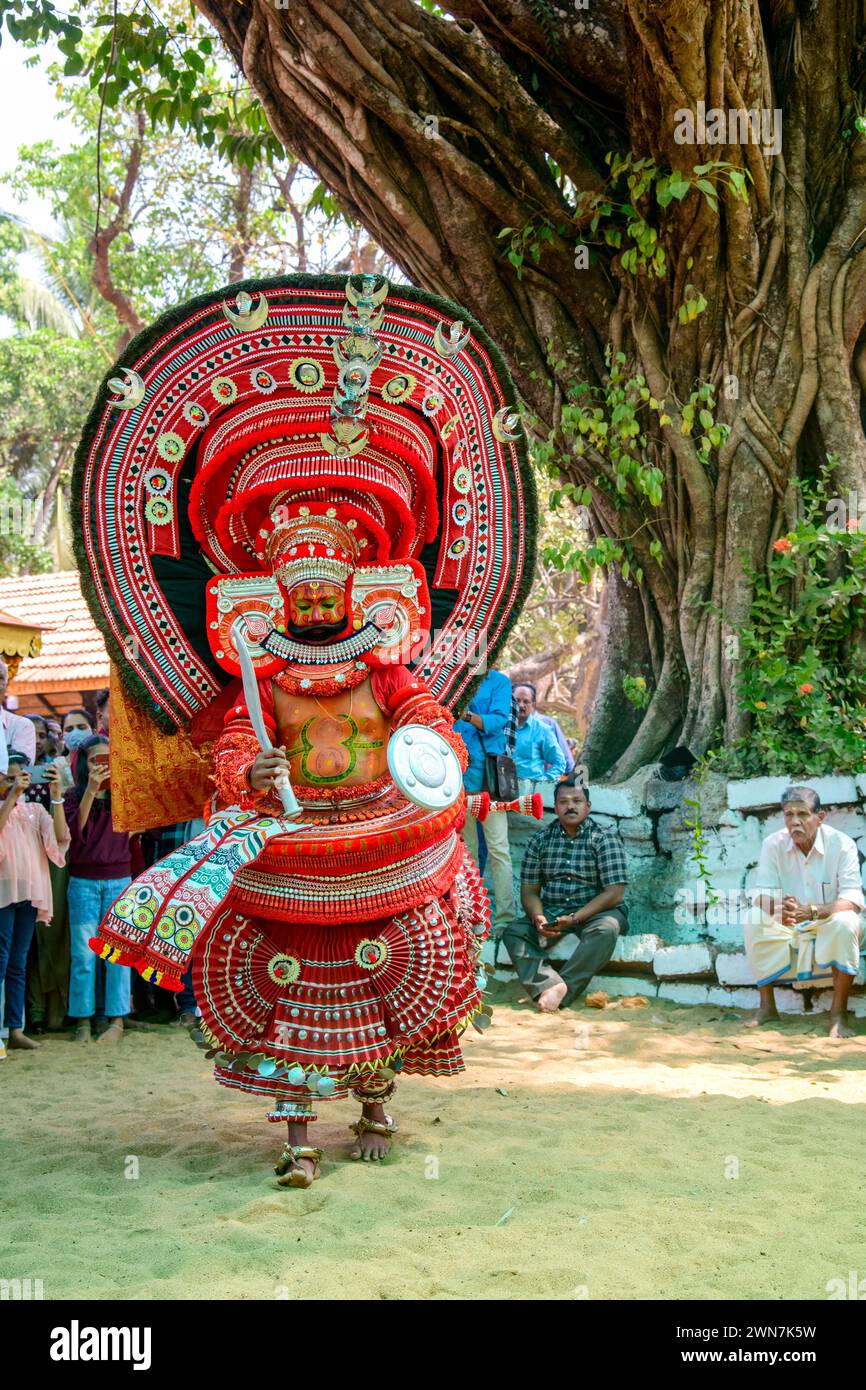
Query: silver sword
[254, 706]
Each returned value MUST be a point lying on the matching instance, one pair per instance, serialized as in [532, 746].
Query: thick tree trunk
[436, 134]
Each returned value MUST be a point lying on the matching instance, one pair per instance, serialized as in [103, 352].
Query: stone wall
[680, 946]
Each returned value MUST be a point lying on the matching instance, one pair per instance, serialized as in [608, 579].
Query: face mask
[75, 738]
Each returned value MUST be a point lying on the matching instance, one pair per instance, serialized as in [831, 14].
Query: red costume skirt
[301, 1013]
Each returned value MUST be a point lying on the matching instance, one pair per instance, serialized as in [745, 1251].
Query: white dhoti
[783, 955]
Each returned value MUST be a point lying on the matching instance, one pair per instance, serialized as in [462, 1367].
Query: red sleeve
[388, 682]
[409, 701]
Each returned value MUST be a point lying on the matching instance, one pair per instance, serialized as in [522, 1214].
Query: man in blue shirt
[539, 759]
[483, 727]
[537, 752]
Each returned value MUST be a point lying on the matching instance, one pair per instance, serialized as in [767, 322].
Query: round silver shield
[424, 766]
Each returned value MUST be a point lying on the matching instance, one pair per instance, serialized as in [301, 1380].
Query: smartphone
[38, 774]
[101, 760]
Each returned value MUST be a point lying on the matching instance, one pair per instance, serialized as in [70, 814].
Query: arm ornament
[234, 755]
[413, 704]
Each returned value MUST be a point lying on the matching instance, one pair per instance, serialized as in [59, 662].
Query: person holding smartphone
[48, 962]
[30, 840]
[99, 869]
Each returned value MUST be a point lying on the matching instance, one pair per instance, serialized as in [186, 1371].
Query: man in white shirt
[18, 734]
[808, 897]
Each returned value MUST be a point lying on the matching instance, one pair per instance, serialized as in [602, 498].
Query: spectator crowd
[62, 865]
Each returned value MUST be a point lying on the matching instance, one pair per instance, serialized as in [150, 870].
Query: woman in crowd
[48, 964]
[77, 725]
[30, 839]
[99, 870]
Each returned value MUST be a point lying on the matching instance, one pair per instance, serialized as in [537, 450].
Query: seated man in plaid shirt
[572, 883]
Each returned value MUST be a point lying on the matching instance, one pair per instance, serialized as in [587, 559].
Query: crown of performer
[306, 544]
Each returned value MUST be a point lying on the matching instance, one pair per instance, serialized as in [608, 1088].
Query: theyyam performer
[305, 524]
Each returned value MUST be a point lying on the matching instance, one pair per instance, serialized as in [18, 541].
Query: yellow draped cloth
[156, 778]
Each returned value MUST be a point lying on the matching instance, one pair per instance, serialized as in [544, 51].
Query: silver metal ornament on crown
[356, 357]
[283, 789]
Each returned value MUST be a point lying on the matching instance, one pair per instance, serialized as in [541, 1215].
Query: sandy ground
[661, 1152]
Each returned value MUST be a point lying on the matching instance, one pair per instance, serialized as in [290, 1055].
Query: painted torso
[335, 740]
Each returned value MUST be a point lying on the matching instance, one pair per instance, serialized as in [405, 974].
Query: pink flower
[782, 544]
[853, 524]
[806, 688]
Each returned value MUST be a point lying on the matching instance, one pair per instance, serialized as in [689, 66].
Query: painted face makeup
[316, 611]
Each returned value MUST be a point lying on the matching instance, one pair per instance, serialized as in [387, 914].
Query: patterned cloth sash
[154, 924]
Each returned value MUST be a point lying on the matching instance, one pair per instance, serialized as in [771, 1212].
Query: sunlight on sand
[587, 1154]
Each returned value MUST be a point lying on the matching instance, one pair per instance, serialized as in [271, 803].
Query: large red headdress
[305, 428]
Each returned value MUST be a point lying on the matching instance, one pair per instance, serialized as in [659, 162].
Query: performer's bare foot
[371, 1146]
[766, 1014]
[18, 1038]
[298, 1165]
[839, 1026]
[550, 1000]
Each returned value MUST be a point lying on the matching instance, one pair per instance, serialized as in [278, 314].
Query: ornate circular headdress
[307, 425]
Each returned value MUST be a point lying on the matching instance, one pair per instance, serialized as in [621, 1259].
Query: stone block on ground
[637, 949]
[733, 968]
[694, 958]
[788, 1001]
[618, 986]
[683, 993]
[733, 998]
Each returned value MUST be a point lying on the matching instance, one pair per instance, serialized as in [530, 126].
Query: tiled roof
[73, 655]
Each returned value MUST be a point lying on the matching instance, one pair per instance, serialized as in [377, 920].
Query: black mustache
[322, 632]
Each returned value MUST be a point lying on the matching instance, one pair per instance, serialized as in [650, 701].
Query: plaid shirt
[571, 872]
